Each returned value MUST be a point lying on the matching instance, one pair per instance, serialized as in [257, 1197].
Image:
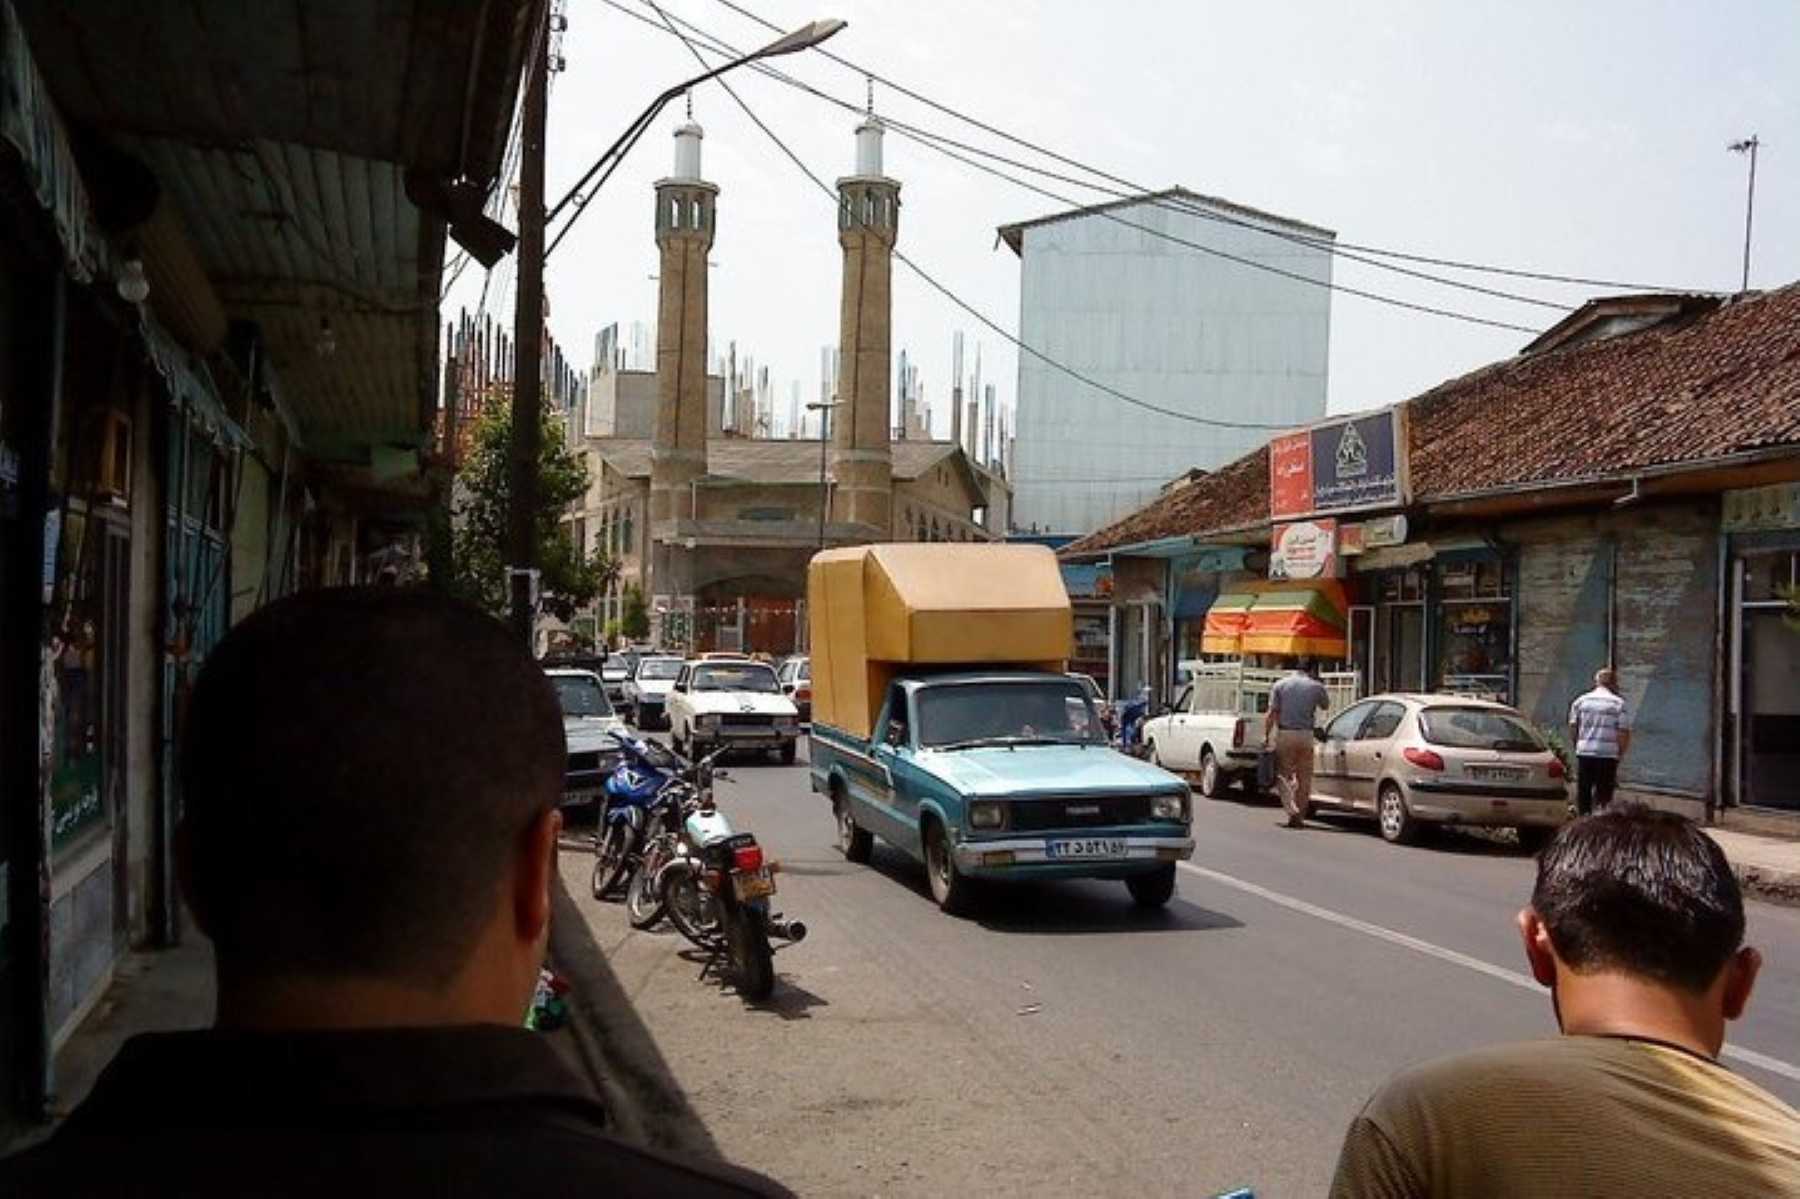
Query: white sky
[1577, 139]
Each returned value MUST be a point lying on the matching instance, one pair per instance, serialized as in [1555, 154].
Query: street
[1064, 1042]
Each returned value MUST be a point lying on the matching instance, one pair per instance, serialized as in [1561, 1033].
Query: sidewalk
[1767, 867]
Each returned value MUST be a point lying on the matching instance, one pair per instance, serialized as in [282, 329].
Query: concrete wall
[1170, 326]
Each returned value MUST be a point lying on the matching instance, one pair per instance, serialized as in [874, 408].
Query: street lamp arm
[807, 36]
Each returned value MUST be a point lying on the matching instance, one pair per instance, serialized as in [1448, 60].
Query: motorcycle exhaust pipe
[787, 930]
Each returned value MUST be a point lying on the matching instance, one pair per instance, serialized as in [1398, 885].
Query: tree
[570, 579]
[636, 623]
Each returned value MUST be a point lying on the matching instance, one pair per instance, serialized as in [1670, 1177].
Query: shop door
[1770, 720]
[1362, 647]
[1406, 660]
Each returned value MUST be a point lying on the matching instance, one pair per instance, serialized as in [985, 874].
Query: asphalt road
[1063, 1042]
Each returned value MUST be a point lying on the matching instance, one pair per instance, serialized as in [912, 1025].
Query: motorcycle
[719, 897]
[645, 769]
[1131, 717]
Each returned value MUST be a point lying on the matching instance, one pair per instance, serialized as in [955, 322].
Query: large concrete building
[1113, 293]
[709, 525]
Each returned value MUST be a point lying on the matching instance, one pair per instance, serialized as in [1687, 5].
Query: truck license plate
[756, 885]
[1086, 847]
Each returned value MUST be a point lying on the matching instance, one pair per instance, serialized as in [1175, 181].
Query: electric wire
[1138, 189]
[956, 299]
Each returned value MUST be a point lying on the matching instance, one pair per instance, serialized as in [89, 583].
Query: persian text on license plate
[1496, 772]
[582, 796]
[1086, 847]
[755, 885]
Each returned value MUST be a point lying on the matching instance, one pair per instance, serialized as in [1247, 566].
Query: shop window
[1483, 578]
[625, 532]
[1402, 587]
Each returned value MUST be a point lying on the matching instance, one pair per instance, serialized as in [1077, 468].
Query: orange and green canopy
[1298, 621]
[1223, 631]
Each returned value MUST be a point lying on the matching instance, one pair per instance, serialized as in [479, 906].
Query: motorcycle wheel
[641, 899]
[612, 860]
[752, 960]
[693, 912]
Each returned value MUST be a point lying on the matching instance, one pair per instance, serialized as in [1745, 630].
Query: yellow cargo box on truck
[945, 724]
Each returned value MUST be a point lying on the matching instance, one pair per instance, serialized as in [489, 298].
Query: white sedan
[732, 703]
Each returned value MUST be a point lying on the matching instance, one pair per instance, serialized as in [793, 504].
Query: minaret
[685, 211]
[868, 224]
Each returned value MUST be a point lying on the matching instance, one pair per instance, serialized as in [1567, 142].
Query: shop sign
[1342, 465]
[1384, 531]
[1352, 539]
[1306, 549]
[1290, 475]
[1774, 507]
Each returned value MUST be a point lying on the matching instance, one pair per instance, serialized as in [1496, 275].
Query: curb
[1773, 886]
[643, 1102]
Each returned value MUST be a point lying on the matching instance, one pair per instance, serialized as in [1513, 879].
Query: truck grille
[1037, 815]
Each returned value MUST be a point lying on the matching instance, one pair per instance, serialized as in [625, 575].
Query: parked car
[996, 768]
[614, 673]
[588, 722]
[796, 683]
[647, 690]
[731, 703]
[1410, 760]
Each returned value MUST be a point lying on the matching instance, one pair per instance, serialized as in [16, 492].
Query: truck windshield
[736, 677]
[966, 715]
[581, 695]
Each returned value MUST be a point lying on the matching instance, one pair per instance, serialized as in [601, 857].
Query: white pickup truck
[1214, 730]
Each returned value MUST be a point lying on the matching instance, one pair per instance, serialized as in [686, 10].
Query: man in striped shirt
[1600, 728]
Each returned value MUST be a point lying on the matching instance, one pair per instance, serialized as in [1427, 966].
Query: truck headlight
[1168, 807]
[987, 815]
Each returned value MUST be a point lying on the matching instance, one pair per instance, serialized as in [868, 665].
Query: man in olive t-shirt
[1636, 926]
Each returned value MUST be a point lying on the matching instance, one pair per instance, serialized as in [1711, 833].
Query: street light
[823, 408]
[803, 38]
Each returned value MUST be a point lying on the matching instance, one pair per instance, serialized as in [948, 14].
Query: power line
[723, 49]
[1169, 203]
[946, 291]
[1139, 189]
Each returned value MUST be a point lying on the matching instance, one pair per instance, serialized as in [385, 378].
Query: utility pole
[1748, 146]
[528, 336]
[824, 409]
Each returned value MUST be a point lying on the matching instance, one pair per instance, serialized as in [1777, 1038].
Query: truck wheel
[1153, 890]
[856, 844]
[789, 751]
[949, 886]
[1212, 780]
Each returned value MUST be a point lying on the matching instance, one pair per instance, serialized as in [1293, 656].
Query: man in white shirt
[1600, 729]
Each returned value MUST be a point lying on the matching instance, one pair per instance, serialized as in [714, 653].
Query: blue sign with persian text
[1356, 463]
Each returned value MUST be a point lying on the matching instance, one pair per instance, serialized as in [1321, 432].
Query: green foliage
[1559, 745]
[476, 534]
[636, 624]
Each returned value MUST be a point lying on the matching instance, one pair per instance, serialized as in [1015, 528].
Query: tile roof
[1234, 496]
[767, 461]
[1698, 387]
[1717, 379]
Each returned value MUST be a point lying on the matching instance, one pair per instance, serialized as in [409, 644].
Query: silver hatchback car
[1409, 760]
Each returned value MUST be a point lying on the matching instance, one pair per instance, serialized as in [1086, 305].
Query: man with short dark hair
[371, 780]
[1636, 925]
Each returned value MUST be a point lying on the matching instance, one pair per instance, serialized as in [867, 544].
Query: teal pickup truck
[993, 771]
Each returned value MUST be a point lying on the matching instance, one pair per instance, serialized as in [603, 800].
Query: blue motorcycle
[1132, 714]
[644, 772]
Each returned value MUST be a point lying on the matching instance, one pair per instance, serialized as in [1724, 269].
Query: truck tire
[1212, 776]
[949, 886]
[856, 844]
[1153, 890]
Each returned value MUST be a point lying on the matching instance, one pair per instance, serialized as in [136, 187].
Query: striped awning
[1299, 621]
[1223, 631]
